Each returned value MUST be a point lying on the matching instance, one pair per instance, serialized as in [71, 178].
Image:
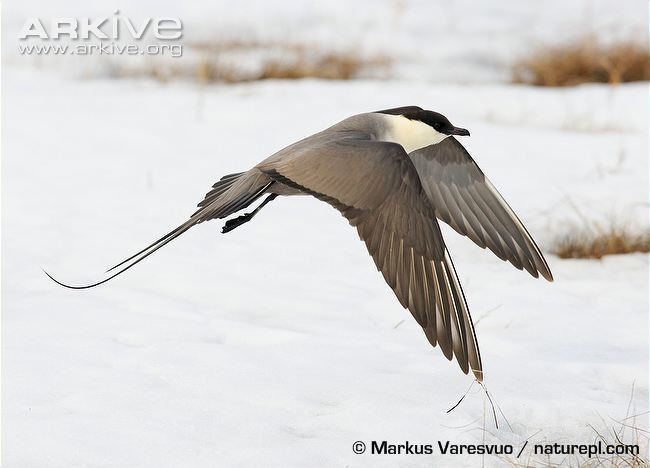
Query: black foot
[236, 222]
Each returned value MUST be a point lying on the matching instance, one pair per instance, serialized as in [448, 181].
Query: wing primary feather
[541, 261]
[508, 231]
[464, 197]
[474, 353]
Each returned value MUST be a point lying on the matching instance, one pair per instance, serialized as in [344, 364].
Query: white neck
[411, 134]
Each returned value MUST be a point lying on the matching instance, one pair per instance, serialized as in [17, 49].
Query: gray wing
[466, 200]
[375, 186]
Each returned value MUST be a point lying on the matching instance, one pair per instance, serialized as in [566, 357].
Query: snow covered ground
[279, 344]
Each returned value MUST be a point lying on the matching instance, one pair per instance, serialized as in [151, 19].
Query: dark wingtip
[548, 276]
[545, 270]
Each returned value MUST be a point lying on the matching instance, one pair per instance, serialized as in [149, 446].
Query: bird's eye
[437, 125]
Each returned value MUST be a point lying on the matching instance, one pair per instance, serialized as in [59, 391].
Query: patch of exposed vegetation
[585, 60]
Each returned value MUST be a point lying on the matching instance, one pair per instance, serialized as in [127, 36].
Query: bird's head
[415, 128]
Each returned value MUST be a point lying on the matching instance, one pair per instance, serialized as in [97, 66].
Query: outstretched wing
[376, 187]
[466, 200]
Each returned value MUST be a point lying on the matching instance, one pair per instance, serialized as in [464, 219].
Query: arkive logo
[107, 28]
[111, 35]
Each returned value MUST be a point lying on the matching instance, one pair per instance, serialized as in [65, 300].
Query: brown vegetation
[238, 62]
[596, 243]
[329, 66]
[584, 61]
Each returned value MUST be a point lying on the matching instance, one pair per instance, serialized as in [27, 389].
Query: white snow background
[279, 344]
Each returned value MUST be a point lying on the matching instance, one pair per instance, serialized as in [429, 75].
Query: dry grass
[245, 61]
[584, 61]
[595, 243]
[628, 434]
[625, 433]
[328, 66]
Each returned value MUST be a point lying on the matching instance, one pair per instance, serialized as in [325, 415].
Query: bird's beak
[460, 131]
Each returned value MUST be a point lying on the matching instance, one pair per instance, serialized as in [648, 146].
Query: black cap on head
[437, 121]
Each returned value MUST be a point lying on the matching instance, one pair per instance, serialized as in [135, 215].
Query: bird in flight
[392, 174]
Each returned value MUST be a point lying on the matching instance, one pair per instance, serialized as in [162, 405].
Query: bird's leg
[246, 217]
